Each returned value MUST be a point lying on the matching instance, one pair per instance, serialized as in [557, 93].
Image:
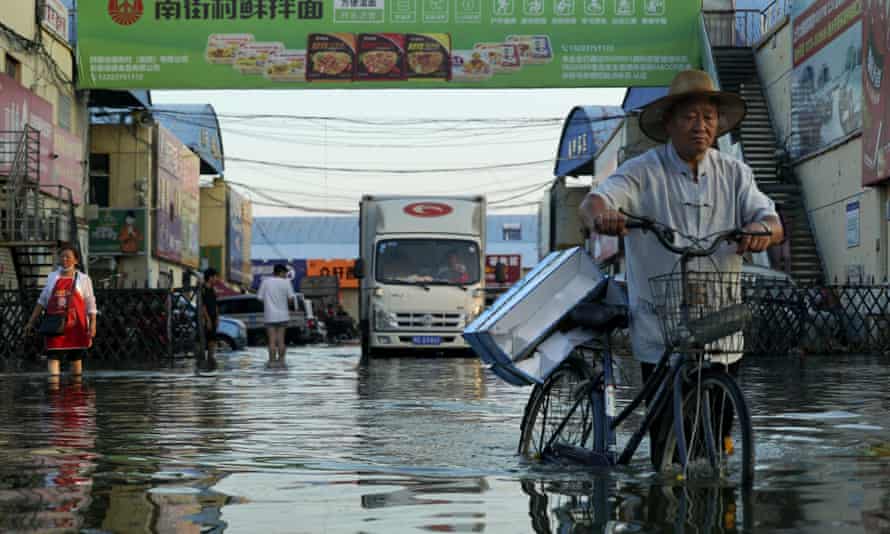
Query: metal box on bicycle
[509, 335]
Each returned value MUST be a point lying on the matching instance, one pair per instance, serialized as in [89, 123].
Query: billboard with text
[826, 93]
[178, 202]
[241, 44]
[876, 119]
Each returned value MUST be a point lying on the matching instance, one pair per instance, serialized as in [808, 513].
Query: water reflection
[408, 445]
[49, 485]
[606, 506]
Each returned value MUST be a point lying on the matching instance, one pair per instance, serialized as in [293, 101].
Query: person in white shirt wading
[276, 292]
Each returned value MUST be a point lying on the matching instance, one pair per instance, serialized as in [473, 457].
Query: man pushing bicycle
[687, 185]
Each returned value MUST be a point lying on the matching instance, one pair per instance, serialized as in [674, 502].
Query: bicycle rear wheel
[549, 406]
[717, 428]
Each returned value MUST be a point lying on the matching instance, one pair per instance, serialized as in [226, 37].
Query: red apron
[77, 335]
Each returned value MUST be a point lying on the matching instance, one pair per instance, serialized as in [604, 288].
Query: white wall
[774, 64]
[830, 180]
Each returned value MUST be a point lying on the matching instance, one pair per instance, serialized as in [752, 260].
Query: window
[13, 68]
[64, 108]
[100, 180]
[512, 232]
[427, 262]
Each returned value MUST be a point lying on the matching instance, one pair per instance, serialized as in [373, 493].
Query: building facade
[226, 233]
[43, 124]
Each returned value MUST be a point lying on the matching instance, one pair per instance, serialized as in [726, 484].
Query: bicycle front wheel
[547, 415]
[717, 429]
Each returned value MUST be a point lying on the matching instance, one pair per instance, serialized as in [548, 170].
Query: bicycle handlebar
[666, 234]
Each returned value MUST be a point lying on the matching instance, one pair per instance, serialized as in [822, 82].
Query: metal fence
[133, 324]
[812, 319]
[744, 27]
[816, 319]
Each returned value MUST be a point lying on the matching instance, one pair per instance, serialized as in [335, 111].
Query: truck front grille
[427, 321]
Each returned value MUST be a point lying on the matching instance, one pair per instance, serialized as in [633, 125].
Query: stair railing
[22, 221]
[744, 27]
[804, 205]
[17, 168]
[724, 142]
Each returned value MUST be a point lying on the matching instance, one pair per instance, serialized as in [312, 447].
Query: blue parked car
[231, 334]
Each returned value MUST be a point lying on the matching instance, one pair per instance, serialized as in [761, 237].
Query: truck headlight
[471, 316]
[384, 320]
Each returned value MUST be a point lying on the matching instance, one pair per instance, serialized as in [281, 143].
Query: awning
[637, 97]
[197, 126]
[103, 98]
[585, 130]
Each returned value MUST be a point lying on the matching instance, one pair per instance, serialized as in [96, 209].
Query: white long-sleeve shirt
[84, 287]
[660, 185]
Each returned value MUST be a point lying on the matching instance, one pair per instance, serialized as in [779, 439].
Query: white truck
[421, 271]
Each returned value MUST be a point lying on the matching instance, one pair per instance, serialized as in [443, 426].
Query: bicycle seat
[599, 317]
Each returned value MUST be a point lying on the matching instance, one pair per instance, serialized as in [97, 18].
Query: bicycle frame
[668, 378]
[605, 425]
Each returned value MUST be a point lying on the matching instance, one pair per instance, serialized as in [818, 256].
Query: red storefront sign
[876, 119]
[20, 107]
[55, 18]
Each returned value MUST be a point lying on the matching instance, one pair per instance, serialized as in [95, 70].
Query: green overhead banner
[264, 44]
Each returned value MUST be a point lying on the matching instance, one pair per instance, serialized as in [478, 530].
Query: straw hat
[687, 83]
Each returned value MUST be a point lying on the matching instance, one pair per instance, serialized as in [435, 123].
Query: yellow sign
[342, 269]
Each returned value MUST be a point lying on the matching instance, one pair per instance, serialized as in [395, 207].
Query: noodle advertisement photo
[264, 44]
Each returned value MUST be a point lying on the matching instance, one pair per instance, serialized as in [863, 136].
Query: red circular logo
[125, 12]
[428, 209]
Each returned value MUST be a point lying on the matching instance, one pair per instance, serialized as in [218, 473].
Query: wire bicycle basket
[706, 314]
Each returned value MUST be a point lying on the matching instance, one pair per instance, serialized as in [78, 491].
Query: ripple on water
[406, 445]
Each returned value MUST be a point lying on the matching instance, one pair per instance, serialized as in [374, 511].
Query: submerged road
[411, 445]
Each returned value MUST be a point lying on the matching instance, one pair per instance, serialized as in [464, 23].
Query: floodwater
[411, 445]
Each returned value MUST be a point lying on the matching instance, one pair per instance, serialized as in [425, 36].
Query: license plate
[426, 340]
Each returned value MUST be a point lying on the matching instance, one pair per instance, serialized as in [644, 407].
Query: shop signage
[296, 270]
[853, 223]
[876, 119]
[342, 269]
[512, 265]
[826, 93]
[178, 204]
[55, 18]
[238, 239]
[240, 44]
[20, 107]
[118, 232]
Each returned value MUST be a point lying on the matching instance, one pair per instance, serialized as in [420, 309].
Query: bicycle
[573, 415]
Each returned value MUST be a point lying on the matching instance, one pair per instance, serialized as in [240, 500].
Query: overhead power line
[387, 171]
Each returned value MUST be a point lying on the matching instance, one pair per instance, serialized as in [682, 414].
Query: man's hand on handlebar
[610, 222]
[754, 243]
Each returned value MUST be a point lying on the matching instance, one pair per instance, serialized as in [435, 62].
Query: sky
[356, 138]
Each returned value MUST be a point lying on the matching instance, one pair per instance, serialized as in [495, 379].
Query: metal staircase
[737, 71]
[35, 219]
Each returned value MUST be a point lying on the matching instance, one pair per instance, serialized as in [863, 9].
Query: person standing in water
[68, 292]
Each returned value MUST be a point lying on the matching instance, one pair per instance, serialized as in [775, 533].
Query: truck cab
[422, 272]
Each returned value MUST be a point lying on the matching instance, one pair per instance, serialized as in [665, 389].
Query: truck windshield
[428, 262]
